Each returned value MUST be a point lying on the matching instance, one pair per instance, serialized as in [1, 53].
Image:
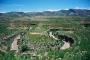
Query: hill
[70, 12]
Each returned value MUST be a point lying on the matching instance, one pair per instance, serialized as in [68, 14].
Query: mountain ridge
[70, 12]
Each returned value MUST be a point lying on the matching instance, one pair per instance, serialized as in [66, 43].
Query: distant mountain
[70, 12]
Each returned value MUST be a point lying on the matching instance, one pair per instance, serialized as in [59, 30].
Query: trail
[51, 35]
[14, 45]
[66, 44]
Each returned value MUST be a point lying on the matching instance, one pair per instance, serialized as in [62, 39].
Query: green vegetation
[36, 44]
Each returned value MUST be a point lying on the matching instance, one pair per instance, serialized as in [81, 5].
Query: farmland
[46, 38]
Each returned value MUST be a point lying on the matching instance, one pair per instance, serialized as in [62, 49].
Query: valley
[45, 38]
